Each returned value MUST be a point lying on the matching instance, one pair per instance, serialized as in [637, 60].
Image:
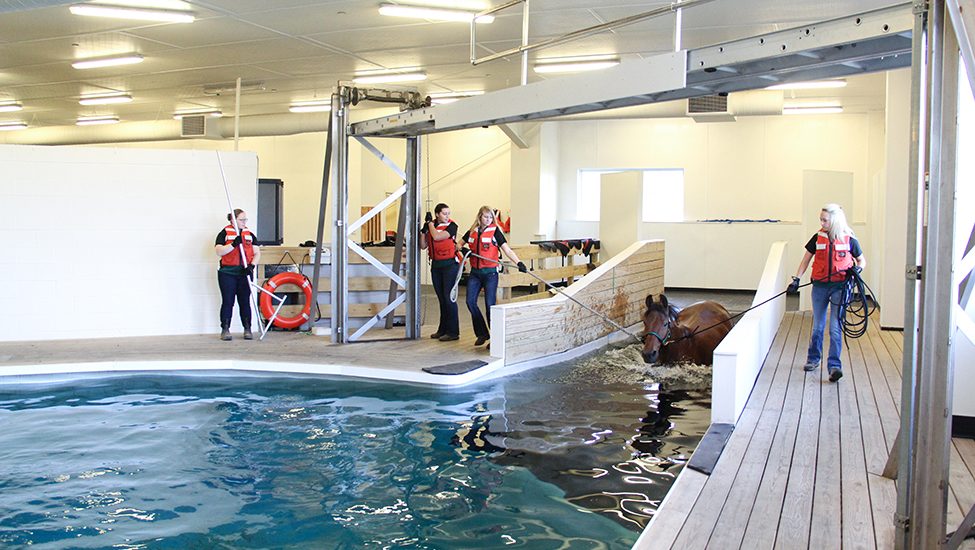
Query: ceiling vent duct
[710, 108]
[708, 104]
[197, 126]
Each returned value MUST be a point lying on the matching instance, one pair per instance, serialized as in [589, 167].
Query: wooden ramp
[803, 466]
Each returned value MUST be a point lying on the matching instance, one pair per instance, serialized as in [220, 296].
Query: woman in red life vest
[833, 250]
[485, 239]
[234, 247]
[441, 242]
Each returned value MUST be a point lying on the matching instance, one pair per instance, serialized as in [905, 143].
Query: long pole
[255, 308]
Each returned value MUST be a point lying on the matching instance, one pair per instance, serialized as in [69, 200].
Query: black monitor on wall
[270, 211]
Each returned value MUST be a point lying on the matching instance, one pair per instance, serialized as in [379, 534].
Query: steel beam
[879, 40]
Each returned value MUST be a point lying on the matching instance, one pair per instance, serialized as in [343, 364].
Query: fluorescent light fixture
[440, 98]
[89, 121]
[10, 107]
[311, 107]
[809, 85]
[811, 104]
[433, 14]
[211, 112]
[574, 64]
[12, 126]
[812, 110]
[389, 78]
[108, 62]
[105, 99]
[124, 12]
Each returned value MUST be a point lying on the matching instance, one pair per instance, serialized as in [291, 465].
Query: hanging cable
[858, 304]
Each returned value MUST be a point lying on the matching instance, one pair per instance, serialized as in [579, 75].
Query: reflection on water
[566, 457]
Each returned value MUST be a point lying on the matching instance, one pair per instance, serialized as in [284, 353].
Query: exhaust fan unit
[709, 108]
[197, 126]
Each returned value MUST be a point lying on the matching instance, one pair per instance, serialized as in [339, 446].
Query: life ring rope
[272, 285]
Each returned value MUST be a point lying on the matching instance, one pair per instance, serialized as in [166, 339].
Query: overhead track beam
[878, 40]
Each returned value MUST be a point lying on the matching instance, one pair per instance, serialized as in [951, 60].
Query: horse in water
[671, 335]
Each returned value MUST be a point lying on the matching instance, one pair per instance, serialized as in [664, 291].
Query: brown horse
[670, 334]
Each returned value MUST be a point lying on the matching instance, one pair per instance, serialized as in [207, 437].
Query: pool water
[564, 457]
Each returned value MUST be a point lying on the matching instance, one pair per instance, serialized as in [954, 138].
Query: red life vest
[482, 243]
[443, 249]
[831, 259]
[233, 258]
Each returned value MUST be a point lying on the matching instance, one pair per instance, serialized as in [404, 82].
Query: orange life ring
[272, 284]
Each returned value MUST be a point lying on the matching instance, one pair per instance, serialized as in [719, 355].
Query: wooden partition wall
[617, 289]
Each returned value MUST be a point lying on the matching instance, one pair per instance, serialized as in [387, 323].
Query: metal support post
[412, 198]
[902, 454]
[319, 245]
[927, 479]
[340, 217]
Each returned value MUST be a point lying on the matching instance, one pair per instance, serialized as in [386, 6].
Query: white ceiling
[300, 49]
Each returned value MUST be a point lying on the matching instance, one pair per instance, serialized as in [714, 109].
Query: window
[663, 195]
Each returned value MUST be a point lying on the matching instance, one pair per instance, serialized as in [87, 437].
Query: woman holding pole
[238, 253]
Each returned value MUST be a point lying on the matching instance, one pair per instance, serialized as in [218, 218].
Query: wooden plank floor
[803, 466]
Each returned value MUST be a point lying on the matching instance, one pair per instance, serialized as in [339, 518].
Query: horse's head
[658, 323]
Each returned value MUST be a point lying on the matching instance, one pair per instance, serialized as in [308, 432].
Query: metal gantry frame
[337, 160]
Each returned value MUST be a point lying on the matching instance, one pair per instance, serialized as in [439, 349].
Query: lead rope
[852, 294]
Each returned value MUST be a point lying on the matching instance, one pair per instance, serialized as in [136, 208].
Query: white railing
[739, 357]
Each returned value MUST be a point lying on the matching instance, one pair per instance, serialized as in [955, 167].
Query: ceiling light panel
[197, 112]
[310, 107]
[108, 62]
[125, 12]
[809, 85]
[389, 78]
[4, 126]
[91, 121]
[574, 66]
[10, 107]
[433, 14]
[105, 99]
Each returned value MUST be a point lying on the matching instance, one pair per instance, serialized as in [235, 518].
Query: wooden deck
[803, 466]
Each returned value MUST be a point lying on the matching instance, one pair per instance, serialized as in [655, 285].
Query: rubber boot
[225, 330]
[248, 335]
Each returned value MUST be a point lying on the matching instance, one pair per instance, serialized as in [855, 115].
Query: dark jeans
[826, 299]
[443, 282]
[489, 281]
[232, 286]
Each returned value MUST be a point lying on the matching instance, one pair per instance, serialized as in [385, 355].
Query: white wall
[893, 225]
[751, 169]
[103, 242]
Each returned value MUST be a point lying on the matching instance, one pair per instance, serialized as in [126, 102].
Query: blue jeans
[234, 286]
[443, 282]
[824, 297]
[489, 281]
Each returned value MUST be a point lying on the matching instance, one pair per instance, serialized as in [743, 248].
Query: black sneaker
[436, 335]
[480, 340]
[449, 338]
[835, 374]
[810, 366]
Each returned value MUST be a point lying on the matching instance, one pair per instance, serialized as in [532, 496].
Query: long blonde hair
[481, 211]
[838, 226]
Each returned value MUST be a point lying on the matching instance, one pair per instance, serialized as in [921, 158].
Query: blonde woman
[486, 240]
[833, 251]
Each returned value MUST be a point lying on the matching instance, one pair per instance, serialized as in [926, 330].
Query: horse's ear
[649, 300]
[663, 300]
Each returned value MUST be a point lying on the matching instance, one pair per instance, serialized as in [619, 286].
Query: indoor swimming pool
[564, 457]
